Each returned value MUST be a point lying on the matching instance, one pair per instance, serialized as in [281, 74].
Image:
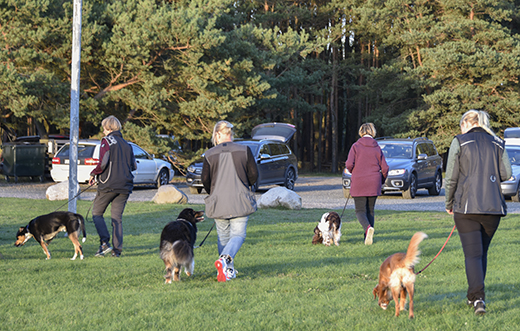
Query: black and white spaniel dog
[328, 229]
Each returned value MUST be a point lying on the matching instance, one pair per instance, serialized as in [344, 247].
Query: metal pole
[74, 104]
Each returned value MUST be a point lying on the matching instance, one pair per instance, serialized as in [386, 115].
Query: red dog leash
[439, 251]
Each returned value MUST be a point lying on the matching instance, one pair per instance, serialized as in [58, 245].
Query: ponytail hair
[224, 127]
[479, 117]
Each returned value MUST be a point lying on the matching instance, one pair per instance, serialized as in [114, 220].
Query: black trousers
[476, 232]
[364, 207]
[101, 202]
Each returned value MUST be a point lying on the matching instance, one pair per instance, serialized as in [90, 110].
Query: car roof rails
[421, 138]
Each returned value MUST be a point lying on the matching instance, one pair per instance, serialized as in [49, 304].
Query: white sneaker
[231, 273]
[370, 236]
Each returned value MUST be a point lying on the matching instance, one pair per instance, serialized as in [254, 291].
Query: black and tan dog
[45, 227]
[177, 242]
[328, 229]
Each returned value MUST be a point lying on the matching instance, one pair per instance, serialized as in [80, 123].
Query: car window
[275, 149]
[514, 154]
[284, 149]
[421, 149]
[139, 153]
[84, 151]
[265, 149]
[396, 150]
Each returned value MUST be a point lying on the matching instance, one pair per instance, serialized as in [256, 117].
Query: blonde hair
[478, 117]
[223, 127]
[111, 123]
[367, 129]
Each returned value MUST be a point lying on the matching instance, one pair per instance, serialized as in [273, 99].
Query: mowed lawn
[284, 282]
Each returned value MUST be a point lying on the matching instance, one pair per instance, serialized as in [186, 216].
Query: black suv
[277, 164]
[414, 164]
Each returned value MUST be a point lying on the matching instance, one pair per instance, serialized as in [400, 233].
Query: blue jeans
[231, 235]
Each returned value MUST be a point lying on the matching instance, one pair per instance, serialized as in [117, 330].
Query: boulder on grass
[170, 194]
[280, 197]
[59, 191]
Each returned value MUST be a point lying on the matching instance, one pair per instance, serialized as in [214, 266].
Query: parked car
[511, 187]
[277, 165]
[414, 164]
[512, 133]
[149, 169]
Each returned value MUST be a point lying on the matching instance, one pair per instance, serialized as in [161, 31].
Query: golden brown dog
[397, 277]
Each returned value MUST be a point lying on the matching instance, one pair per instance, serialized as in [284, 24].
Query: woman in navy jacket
[369, 170]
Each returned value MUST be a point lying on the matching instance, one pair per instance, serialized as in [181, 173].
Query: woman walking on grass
[477, 163]
[369, 170]
[228, 171]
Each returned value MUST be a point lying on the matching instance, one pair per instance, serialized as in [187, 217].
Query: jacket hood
[368, 142]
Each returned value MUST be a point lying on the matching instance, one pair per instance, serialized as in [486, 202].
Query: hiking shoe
[221, 266]
[231, 273]
[103, 249]
[369, 236]
[480, 307]
[115, 253]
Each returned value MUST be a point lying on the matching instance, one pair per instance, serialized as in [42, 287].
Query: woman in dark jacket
[477, 163]
[369, 170]
[115, 183]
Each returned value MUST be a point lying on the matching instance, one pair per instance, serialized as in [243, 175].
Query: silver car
[511, 187]
[149, 169]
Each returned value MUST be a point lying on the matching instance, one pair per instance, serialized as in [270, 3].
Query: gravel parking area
[316, 192]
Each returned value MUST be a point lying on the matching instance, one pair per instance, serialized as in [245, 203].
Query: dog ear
[317, 230]
[376, 291]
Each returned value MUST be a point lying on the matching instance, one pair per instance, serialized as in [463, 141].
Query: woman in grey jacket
[228, 171]
[477, 163]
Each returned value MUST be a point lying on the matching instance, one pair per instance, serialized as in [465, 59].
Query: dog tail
[179, 252]
[82, 225]
[412, 254]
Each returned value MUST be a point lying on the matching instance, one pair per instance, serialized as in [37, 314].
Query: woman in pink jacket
[368, 167]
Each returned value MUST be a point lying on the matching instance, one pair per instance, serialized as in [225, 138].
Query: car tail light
[91, 161]
[55, 160]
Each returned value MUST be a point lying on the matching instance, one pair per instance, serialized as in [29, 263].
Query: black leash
[439, 251]
[74, 197]
[345, 205]
[202, 242]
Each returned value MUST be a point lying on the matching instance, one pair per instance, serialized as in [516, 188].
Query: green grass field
[284, 282]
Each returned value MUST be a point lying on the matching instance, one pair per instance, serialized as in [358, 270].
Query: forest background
[326, 66]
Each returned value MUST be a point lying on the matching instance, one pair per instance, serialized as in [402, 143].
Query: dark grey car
[277, 164]
[414, 164]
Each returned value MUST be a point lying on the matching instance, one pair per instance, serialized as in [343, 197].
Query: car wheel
[436, 188]
[516, 197]
[412, 189]
[346, 192]
[290, 178]
[163, 178]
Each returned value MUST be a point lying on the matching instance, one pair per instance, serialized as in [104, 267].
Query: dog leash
[74, 197]
[345, 205]
[202, 242]
[439, 251]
